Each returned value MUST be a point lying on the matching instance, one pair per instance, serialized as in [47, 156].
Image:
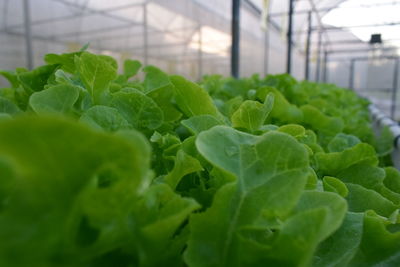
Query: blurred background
[352, 43]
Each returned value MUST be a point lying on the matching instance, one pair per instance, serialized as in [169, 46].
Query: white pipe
[382, 120]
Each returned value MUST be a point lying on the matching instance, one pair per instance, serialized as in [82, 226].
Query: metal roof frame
[26, 27]
[87, 12]
[324, 44]
[327, 9]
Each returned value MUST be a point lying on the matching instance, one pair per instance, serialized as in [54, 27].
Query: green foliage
[35, 80]
[131, 67]
[8, 107]
[66, 61]
[251, 115]
[58, 98]
[104, 118]
[198, 124]
[265, 167]
[105, 169]
[341, 247]
[191, 99]
[332, 163]
[11, 77]
[342, 141]
[138, 109]
[282, 111]
[96, 73]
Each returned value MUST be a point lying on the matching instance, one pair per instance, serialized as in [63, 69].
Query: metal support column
[308, 46]
[394, 89]
[317, 76]
[351, 74]
[289, 38]
[266, 51]
[145, 36]
[235, 38]
[28, 35]
[200, 54]
[325, 67]
[265, 15]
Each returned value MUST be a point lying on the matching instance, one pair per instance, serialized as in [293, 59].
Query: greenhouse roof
[345, 24]
[174, 30]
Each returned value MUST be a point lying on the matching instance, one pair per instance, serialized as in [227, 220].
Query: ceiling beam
[327, 9]
[332, 28]
[87, 12]
[341, 51]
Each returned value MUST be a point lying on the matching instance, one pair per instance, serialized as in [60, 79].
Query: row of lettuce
[105, 169]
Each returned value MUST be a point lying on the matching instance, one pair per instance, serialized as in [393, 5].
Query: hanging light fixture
[376, 38]
[376, 45]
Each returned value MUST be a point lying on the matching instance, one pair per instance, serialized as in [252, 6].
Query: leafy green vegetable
[158, 86]
[138, 109]
[6, 106]
[332, 163]
[59, 98]
[184, 164]
[341, 142]
[100, 168]
[332, 184]
[198, 124]
[35, 80]
[340, 248]
[191, 99]
[321, 122]
[11, 77]
[251, 115]
[282, 110]
[255, 194]
[67, 60]
[67, 198]
[104, 118]
[96, 73]
[131, 67]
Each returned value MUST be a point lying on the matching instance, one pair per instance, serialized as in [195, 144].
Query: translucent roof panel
[189, 37]
[193, 29]
[364, 17]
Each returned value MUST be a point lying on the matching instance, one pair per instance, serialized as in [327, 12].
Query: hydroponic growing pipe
[382, 120]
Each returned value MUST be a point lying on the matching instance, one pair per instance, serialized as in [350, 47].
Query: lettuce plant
[101, 168]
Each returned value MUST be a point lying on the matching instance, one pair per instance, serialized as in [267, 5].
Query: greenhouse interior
[199, 133]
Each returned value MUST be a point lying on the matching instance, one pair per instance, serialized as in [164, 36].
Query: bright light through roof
[212, 41]
[367, 12]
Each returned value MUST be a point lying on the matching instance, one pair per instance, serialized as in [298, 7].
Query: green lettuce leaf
[104, 118]
[214, 238]
[251, 115]
[55, 99]
[71, 200]
[138, 109]
[191, 99]
[96, 73]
